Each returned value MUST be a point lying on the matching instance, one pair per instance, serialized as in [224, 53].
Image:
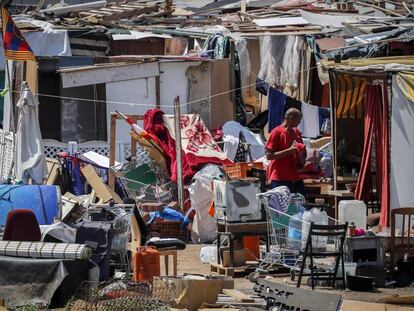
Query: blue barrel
[44, 201]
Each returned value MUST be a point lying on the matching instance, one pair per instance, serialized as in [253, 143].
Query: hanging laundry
[276, 104]
[261, 86]
[293, 103]
[198, 146]
[310, 121]
[231, 137]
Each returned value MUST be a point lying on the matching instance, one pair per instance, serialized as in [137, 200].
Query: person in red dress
[286, 151]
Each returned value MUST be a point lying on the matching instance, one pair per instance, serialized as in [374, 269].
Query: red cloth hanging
[376, 125]
[191, 163]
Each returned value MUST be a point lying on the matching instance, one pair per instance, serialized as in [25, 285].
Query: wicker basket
[169, 230]
[239, 170]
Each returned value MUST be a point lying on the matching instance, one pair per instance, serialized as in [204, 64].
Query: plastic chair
[21, 225]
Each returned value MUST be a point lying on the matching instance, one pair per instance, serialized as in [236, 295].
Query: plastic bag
[208, 254]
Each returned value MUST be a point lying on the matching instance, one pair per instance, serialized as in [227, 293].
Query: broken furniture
[98, 236]
[324, 231]
[167, 254]
[236, 231]
[21, 225]
[402, 221]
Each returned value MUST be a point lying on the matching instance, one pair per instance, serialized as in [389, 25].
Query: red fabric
[284, 169]
[191, 164]
[21, 225]
[376, 125]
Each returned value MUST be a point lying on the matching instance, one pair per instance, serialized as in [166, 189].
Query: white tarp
[327, 20]
[30, 160]
[280, 21]
[136, 35]
[402, 148]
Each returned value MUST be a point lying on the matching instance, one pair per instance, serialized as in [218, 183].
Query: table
[239, 230]
[340, 195]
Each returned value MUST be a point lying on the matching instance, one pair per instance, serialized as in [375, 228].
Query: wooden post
[177, 128]
[133, 140]
[112, 144]
[243, 9]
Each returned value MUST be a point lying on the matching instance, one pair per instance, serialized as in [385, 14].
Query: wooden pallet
[231, 271]
[116, 11]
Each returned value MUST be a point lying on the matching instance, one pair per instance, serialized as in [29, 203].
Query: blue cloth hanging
[276, 104]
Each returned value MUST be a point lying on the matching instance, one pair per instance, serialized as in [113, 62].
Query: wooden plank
[238, 295]
[106, 74]
[112, 145]
[53, 171]
[103, 192]
[132, 13]
[405, 300]
[32, 76]
[379, 8]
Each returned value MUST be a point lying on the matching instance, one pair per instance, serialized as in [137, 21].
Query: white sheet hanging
[310, 121]
[30, 160]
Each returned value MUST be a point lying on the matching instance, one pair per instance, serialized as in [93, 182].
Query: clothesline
[166, 106]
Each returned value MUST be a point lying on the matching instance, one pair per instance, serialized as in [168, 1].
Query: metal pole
[177, 129]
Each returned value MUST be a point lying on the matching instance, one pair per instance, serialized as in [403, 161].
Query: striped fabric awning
[349, 96]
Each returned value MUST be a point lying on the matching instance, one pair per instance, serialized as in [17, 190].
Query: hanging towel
[276, 104]
[310, 121]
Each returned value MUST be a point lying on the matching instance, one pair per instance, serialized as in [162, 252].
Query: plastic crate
[239, 170]
[169, 230]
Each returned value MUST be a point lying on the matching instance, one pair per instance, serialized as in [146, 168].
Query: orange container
[251, 246]
[146, 264]
[239, 170]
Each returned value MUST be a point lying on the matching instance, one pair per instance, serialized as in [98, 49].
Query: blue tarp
[42, 200]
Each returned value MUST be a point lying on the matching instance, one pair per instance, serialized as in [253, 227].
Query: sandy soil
[189, 262]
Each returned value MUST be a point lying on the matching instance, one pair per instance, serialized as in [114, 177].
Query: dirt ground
[189, 262]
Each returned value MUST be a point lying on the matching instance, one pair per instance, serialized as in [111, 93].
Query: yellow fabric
[349, 96]
[405, 82]
[361, 62]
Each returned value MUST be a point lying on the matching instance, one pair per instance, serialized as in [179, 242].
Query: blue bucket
[44, 201]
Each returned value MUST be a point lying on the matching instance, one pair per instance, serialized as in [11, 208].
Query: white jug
[318, 217]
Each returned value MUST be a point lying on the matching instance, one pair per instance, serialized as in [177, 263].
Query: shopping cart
[143, 180]
[287, 234]
[120, 217]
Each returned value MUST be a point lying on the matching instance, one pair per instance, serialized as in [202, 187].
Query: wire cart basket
[143, 180]
[287, 234]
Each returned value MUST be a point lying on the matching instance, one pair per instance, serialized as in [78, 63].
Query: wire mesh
[115, 296]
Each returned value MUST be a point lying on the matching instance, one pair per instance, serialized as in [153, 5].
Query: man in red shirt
[284, 149]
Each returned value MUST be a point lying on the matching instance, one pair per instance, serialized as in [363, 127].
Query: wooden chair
[402, 244]
[136, 242]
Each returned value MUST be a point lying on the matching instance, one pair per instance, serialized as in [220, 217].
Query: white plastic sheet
[201, 196]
